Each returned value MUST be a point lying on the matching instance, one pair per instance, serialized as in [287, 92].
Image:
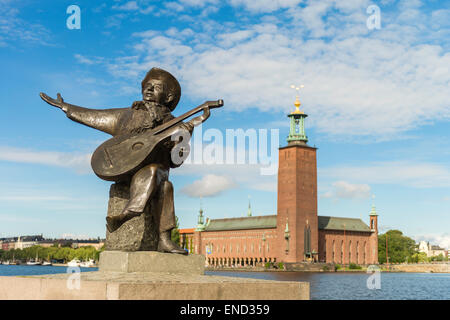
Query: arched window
[307, 242]
[350, 251]
[333, 252]
[357, 251]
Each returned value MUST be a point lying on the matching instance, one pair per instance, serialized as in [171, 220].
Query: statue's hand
[58, 102]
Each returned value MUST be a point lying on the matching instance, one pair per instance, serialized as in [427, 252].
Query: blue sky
[377, 101]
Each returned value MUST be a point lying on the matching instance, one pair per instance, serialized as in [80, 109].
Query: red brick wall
[229, 247]
[354, 247]
[297, 200]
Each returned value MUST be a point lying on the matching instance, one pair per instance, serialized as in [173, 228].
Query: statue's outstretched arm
[105, 120]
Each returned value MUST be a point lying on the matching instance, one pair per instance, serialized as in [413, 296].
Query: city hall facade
[296, 233]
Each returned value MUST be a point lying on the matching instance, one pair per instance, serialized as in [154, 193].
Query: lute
[123, 155]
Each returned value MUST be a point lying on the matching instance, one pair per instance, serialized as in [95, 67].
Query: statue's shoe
[167, 245]
[114, 222]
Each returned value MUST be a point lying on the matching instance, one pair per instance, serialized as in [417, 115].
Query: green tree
[400, 247]
[175, 235]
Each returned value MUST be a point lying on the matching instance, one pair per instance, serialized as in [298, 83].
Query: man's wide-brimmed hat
[172, 84]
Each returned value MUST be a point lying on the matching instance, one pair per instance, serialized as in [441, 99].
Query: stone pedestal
[148, 276]
[151, 261]
[139, 233]
[147, 286]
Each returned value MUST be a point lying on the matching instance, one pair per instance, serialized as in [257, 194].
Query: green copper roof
[266, 222]
[373, 212]
[258, 222]
[338, 223]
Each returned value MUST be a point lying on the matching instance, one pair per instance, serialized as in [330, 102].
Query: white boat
[34, 262]
[6, 263]
[87, 264]
[46, 263]
[74, 263]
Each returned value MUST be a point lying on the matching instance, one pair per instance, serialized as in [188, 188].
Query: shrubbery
[54, 252]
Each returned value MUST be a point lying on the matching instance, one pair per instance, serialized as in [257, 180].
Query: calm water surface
[25, 270]
[324, 286]
[353, 286]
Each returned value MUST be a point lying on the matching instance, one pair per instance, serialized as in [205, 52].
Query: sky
[377, 98]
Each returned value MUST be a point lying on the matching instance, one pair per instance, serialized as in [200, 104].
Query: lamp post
[387, 257]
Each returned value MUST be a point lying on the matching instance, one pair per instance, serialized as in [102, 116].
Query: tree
[418, 257]
[175, 235]
[400, 247]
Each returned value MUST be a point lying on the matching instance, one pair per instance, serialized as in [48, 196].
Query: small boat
[6, 263]
[46, 263]
[34, 262]
[87, 264]
[74, 263]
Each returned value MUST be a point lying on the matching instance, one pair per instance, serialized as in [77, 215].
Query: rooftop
[253, 222]
[270, 221]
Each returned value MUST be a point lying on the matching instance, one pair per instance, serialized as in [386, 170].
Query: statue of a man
[160, 95]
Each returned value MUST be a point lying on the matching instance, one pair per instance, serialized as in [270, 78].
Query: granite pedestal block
[151, 261]
[138, 233]
[148, 275]
[147, 286]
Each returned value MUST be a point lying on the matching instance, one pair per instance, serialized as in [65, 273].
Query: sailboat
[35, 262]
[88, 264]
[48, 262]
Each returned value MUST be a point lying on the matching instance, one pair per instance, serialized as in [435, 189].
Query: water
[25, 270]
[324, 286]
[353, 286]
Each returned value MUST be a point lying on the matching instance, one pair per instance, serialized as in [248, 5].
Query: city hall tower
[297, 221]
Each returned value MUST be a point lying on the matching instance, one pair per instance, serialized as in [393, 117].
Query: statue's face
[154, 91]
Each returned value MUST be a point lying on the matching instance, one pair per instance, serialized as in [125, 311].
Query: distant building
[296, 233]
[23, 242]
[28, 241]
[431, 250]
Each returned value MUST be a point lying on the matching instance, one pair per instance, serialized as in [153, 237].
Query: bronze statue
[140, 153]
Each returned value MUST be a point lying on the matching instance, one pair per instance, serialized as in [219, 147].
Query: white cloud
[346, 190]
[263, 6]
[406, 173]
[84, 60]
[366, 84]
[210, 185]
[13, 28]
[133, 6]
[128, 6]
[78, 162]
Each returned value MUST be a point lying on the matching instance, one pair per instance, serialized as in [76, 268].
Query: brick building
[296, 233]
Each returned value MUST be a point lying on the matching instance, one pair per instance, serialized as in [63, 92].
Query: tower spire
[373, 212]
[249, 211]
[297, 117]
[200, 225]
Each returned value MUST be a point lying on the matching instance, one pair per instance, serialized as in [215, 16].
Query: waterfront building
[295, 233]
[432, 250]
[23, 242]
